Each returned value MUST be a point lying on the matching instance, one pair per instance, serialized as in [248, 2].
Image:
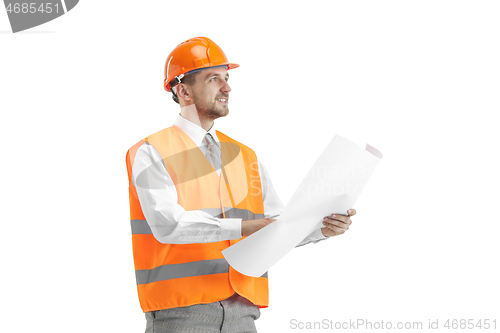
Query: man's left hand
[337, 224]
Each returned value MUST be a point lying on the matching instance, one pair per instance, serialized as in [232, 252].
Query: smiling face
[211, 93]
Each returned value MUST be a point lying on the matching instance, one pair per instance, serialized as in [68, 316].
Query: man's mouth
[222, 100]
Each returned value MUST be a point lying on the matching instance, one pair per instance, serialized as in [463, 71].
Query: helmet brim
[228, 65]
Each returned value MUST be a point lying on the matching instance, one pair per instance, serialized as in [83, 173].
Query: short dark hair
[189, 79]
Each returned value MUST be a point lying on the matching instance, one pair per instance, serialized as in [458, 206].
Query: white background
[419, 80]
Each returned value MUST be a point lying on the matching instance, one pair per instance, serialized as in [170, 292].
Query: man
[193, 192]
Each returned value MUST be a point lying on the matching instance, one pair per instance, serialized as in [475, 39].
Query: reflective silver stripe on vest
[243, 214]
[177, 271]
[140, 227]
[215, 212]
[230, 212]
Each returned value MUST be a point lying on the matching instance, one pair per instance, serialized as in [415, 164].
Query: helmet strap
[179, 78]
[174, 94]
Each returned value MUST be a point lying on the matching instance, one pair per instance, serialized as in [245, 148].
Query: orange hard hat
[195, 53]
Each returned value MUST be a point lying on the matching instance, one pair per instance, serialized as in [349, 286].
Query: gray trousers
[233, 315]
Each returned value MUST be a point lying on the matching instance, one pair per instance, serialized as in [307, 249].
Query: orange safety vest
[177, 275]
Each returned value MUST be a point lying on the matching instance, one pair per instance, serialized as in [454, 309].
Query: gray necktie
[213, 152]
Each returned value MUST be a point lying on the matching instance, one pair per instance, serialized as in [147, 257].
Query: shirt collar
[195, 132]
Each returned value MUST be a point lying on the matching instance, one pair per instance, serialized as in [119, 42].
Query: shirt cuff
[230, 228]
[317, 235]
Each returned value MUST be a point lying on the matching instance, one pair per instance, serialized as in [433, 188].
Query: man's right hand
[248, 227]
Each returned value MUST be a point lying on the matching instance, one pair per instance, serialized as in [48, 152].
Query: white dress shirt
[169, 221]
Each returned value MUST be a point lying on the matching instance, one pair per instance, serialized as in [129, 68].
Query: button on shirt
[169, 221]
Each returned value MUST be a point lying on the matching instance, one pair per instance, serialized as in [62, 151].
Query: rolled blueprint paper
[332, 185]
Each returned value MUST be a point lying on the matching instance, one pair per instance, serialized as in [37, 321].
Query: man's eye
[213, 79]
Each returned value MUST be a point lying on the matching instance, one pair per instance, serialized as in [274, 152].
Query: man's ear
[184, 91]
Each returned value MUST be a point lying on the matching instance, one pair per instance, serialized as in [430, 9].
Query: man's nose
[226, 88]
